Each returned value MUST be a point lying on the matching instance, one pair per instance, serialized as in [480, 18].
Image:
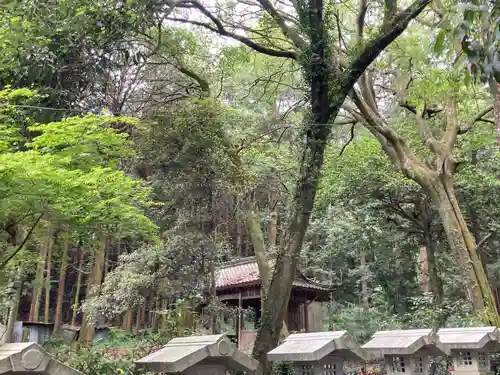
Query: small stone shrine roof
[469, 338]
[245, 271]
[404, 342]
[23, 358]
[184, 352]
[305, 347]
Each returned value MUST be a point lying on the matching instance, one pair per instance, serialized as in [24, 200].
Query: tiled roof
[246, 272]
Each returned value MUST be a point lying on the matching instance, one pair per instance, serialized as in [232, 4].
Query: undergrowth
[114, 355]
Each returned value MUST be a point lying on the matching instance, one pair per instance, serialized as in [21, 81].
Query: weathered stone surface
[470, 348]
[405, 342]
[469, 337]
[24, 358]
[306, 347]
[195, 354]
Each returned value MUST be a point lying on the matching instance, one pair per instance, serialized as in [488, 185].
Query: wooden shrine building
[238, 284]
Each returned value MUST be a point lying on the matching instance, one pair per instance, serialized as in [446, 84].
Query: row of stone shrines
[405, 352]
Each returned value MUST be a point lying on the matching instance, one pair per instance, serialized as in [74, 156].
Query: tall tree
[435, 171]
[331, 75]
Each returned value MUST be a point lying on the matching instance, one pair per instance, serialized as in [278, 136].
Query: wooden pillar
[306, 314]
[240, 319]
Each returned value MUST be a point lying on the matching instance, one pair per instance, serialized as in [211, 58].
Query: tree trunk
[239, 247]
[262, 261]
[474, 218]
[435, 284]
[157, 308]
[61, 286]
[13, 310]
[214, 324]
[496, 107]
[48, 280]
[37, 286]
[93, 289]
[78, 289]
[127, 320]
[464, 246]
[39, 277]
[364, 284]
[138, 318]
[106, 265]
[323, 107]
[424, 270]
[273, 228]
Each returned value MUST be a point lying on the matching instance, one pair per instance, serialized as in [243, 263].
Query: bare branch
[363, 7]
[221, 30]
[349, 141]
[482, 242]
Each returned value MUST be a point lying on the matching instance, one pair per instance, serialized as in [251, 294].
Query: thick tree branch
[450, 134]
[204, 85]
[426, 133]
[395, 147]
[286, 30]
[429, 111]
[476, 118]
[388, 34]
[390, 10]
[363, 7]
[21, 246]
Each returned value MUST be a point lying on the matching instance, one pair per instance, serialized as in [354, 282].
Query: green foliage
[113, 356]
[62, 48]
[68, 172]
[203, 162]
[424, 313]
[86, 141]
[173, 268]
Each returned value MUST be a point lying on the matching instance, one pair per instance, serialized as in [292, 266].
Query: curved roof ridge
[245, 270]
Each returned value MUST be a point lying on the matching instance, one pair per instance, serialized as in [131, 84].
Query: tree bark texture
[48, 283]
[76, 301]
[93, 289]
[37, 287]
[435, 284]
[60, 289]
[128, 320]
[13, 310]
[39, 279]
[462, 242]
[424, 270]
[257, 238]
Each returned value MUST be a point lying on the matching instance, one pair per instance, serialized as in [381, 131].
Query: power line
[47, 108]
[22, 106]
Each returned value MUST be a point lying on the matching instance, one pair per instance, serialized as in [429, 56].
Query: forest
[145, 143]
